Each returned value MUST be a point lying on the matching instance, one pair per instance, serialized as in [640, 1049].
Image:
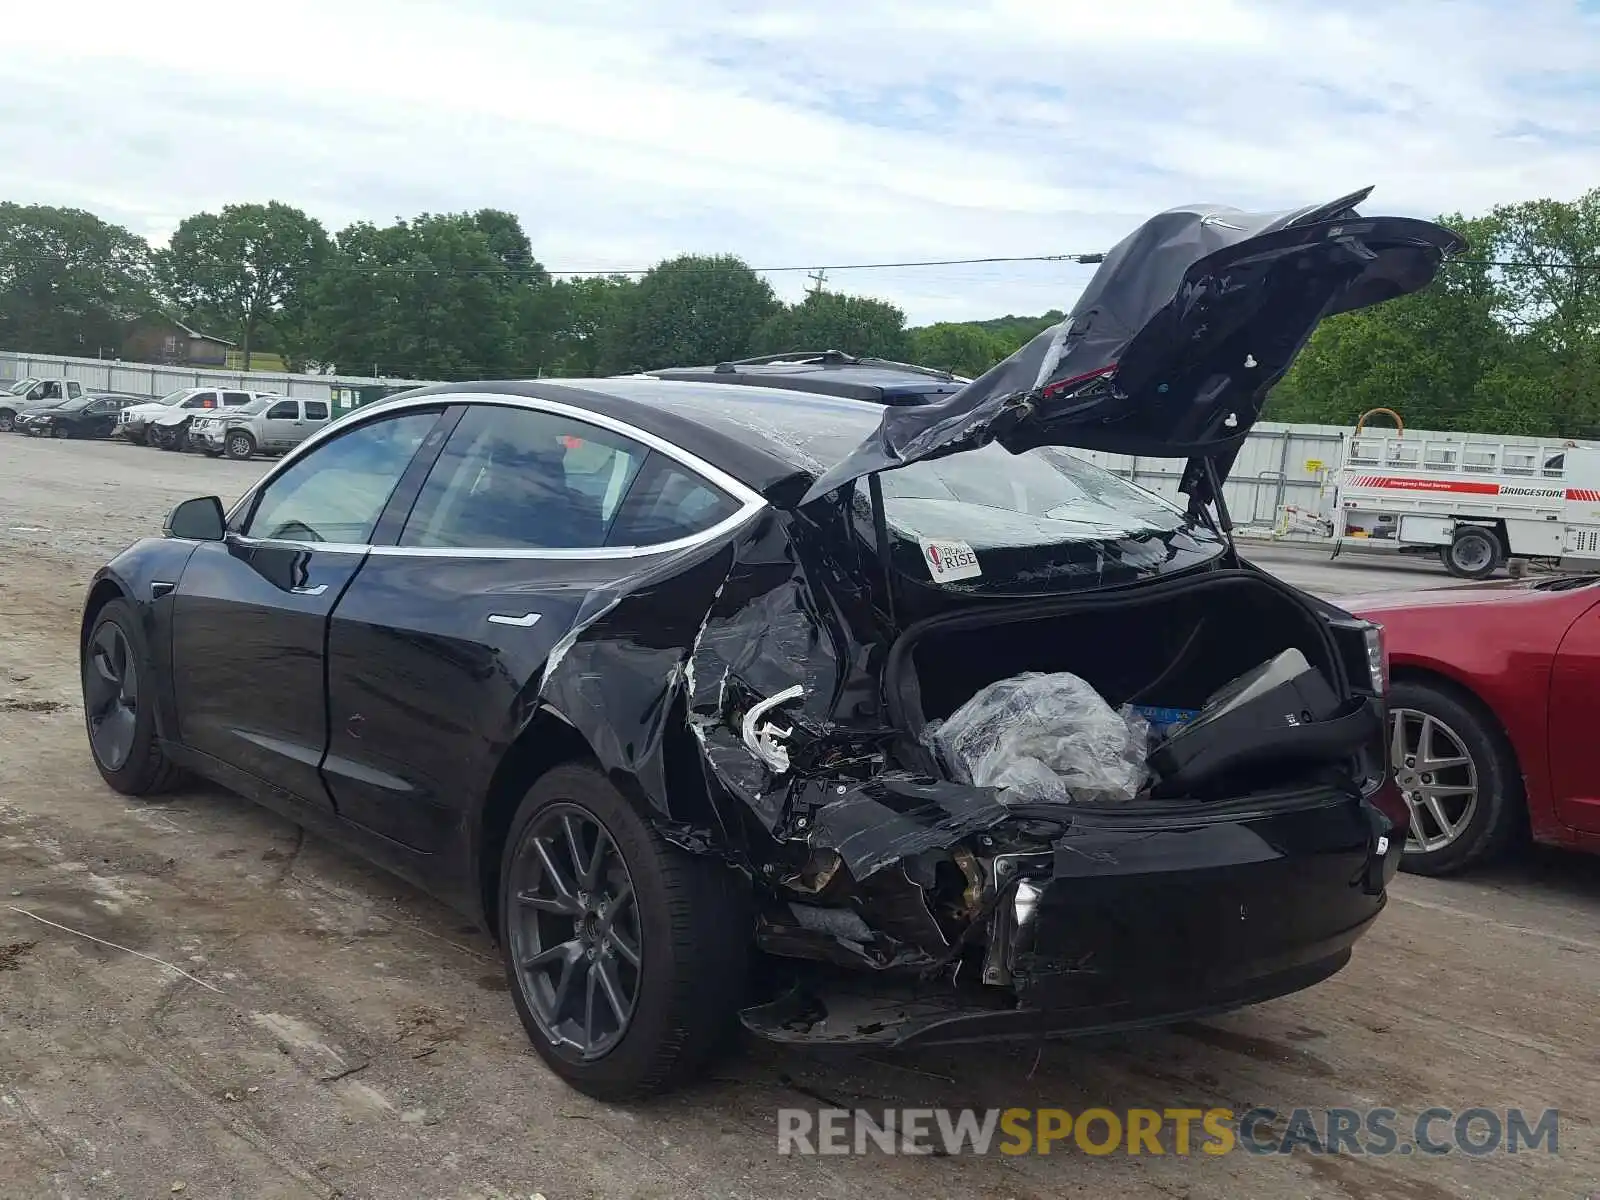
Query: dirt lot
[342, 1035]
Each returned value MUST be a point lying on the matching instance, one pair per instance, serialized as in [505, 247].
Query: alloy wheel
[239, 446]
[576, 937]
[111, 696]
[1436, 777]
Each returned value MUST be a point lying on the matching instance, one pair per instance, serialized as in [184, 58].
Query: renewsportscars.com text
[1170, 1131]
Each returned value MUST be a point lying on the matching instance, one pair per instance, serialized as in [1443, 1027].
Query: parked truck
[31, 393]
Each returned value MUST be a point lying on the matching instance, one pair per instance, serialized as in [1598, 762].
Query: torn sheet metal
[1171, 349]
[896, 816]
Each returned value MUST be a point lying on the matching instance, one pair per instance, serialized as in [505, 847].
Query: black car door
[98, 418]
[250, 612]
[526, 522]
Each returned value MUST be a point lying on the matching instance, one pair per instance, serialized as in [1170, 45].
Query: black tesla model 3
[719, 703]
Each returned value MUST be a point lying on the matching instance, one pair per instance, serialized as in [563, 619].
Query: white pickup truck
[165, 422]
[32, 392]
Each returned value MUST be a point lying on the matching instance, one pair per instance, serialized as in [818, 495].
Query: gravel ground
[339, 1034]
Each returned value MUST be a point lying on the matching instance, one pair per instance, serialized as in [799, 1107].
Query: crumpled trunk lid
[1172, 348]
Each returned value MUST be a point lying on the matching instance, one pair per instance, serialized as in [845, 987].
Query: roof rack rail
[837, 358]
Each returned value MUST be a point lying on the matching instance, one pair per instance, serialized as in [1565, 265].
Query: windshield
[21, 386]
[177, 397]
[252, 407]
[75, 403]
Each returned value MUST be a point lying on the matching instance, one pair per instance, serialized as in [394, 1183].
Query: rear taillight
[1377, 659]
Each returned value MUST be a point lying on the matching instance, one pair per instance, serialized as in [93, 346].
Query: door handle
[526, 620]
[310, 591]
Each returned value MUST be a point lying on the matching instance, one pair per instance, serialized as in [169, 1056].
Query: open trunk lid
[1172, 348]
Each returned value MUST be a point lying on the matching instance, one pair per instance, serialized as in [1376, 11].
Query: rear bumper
[1129, 922]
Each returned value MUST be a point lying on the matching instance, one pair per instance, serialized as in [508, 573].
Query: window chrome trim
[749, 500]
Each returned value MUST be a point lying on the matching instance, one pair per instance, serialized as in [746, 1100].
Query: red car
[1495, 703]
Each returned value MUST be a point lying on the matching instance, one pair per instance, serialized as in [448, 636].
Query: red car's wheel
[1458, 776]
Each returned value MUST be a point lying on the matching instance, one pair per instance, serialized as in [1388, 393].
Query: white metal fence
[1280, 483]
[153, 379]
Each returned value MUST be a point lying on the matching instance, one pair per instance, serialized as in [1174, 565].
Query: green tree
[691, 310]
[578, 326]
[1549, 300]
[1423, 355]
[962, 347]
[833, 321]
[69, 282]
[243, 263]
[444, 296]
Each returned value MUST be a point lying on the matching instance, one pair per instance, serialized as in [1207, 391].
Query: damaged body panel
[962, 735]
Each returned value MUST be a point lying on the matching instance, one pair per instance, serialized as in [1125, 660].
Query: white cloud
[839, 132]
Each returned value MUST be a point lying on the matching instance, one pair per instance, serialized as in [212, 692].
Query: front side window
[50, 391]
[337, 491]
[517, 479]
[201, 400]
[284, 410]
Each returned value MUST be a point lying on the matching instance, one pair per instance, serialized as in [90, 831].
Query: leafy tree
[1015, 332]
[832, 321]
[243, 263]
[966, 348]
[577, 325]
[445, 296]
[694, 309]
[69, 282]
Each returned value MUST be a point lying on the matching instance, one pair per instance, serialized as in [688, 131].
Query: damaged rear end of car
[1013, 748]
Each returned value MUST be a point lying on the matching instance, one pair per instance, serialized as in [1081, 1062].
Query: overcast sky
[829, 131]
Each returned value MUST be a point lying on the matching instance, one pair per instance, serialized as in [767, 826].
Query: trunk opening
[1170, 644]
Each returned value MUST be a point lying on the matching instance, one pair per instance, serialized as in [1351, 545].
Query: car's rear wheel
[1474, 553]
[240, 444]
[1458, 776]
[119, 704]
[621, 949]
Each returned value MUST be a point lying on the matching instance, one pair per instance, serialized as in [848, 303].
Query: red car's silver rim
[1436, 777]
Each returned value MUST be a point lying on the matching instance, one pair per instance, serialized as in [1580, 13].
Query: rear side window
[316, 410]
[74, 390]
[511, 478]
[231, 398]
[667, 502]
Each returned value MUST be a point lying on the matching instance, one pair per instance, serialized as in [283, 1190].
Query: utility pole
[818, 277]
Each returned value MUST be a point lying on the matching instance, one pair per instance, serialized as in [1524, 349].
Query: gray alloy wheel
[1436, 776]
[111, 696]
[240, 444]
[576, 937]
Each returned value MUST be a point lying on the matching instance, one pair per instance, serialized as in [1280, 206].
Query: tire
[239, 445]
[61, 431]
[1474, 553]
[8, 420]
[1497, 816]
[141, 438]
[689, 919]
[144, 769]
